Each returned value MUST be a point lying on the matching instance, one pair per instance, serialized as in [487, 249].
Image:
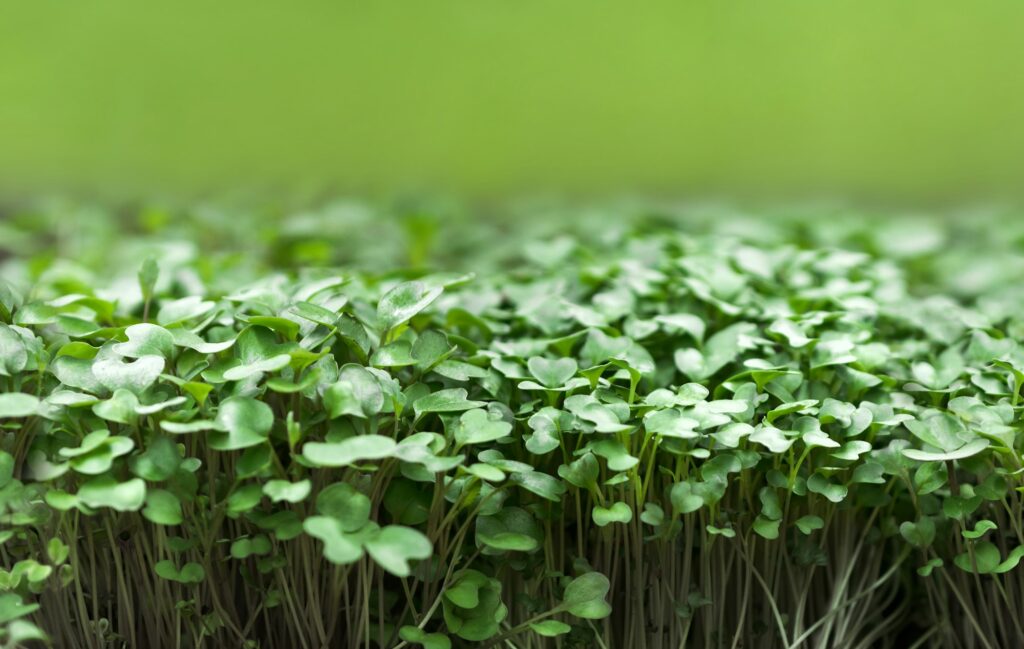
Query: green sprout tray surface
[357, 427]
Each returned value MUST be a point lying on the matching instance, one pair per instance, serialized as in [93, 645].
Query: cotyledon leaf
[404, 301]
[359, 448]
[134, 376]
[18, 404]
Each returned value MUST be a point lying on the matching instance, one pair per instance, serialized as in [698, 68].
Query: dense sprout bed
[666, 433]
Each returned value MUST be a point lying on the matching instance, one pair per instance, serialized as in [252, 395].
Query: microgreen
[655, 437]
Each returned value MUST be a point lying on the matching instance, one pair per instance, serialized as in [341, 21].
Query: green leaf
[145, 340]
[287, 328]
[766, 527]
[162, 507]
[546, 434]
[582, 472]
[982, 559]
[120, 407]
[395, 354]
[340, 547]
[479, 426]
[258, 367]
[962, 505]
[473, 609]
[552, 373]
[727, 532]
[685, 322]
[541, 484]
[921, 533]
[115, 374]
[284, 491]
[149, 272]
[604, 418]
[615, 454]
[819, 484]
[511, 529]
[550, 628]
[430, 348]
[244, 499]
[185, 338]
[342, 502]
[617, 513]
[159, 462]
[1011, 561]
[356, 393]
[104, 491]
[403, 302]
[17, 404]
[719, 350]
[771, 438]
[13, 355]
[247, 547]
[416, 635]
[980, 529]
[671, 423]
[926, 569]
[584, 596]
[938, 429]
[57, 551]
[190, 573]
[395, 545]
[244, 421]
[967, 450]
[684, 498]
[869, 473]
[449, 400]
[6, 468]
[12, 607]
[807, 524]
[349, 451]
[465, 591]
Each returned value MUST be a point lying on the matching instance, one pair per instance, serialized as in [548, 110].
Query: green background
[900, 100]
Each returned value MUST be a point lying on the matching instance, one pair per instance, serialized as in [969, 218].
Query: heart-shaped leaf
[162, 507]
[247, 547]
[684, 498]
[242, 422]
[582, 472]
[115, 374]
[18, 404]
[340, 547]
[190, 573]
[479, 426]
[145, 340]
[359, 448]
[584, 596]
[395, 545]
[921, 533]
[552, 373]
[808, 524]
[983, 558]
[284, 491]
[449, 400]
[617, 513]
[418, 636]
[511, 529]
[967, 450]
[550, 628]
[104, 491]
[13, 355]
[403, 302]
[120, 407]
[541, 484]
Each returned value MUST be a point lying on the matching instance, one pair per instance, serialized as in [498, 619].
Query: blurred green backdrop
[893, 99]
